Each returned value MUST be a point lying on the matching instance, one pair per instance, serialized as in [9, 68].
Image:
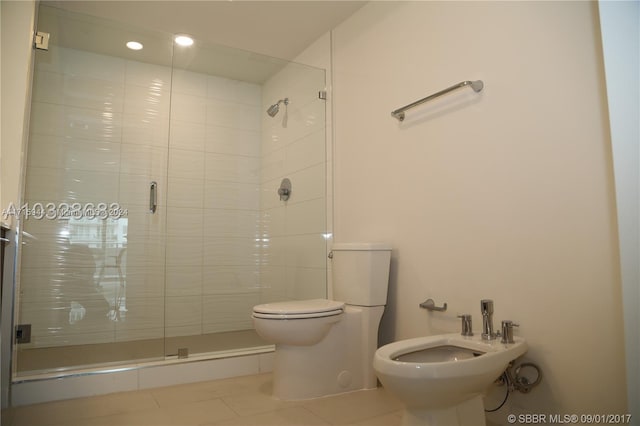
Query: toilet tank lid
[361, 246]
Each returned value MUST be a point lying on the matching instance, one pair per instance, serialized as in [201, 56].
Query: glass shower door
[91, 286]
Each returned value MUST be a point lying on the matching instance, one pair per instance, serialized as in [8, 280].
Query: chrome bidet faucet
[486, 308]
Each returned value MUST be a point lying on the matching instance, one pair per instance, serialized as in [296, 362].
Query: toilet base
[337, 364]
[468, 413]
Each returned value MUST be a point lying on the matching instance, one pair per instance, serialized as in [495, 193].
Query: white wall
[18, 20]
[620, 23]
[506, 194]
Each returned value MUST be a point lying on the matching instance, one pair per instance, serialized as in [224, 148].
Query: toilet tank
[361, 273]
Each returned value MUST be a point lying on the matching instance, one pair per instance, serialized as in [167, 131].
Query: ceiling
[280, 29]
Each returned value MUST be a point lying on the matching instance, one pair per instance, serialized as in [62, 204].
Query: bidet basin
[442, 371]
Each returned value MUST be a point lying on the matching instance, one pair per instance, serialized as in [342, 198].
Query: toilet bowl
[322, 346]
[441, 379]
[300, 322]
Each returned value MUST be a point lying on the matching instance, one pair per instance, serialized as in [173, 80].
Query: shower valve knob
[285, 189]
[283, 193]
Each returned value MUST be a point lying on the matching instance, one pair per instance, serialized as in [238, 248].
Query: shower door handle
[153, 196]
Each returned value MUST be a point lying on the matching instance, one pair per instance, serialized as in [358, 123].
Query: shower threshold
[107, 357]
[54, 385]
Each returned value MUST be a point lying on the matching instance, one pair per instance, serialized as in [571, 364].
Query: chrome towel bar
[475, 85]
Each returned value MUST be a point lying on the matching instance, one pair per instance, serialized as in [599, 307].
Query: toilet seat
[298, 309]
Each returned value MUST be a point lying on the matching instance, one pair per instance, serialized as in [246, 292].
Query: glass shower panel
[294, 232]
[232, 243]
[92, 262]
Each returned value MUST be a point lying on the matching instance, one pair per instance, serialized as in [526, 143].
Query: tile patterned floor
[241, 401]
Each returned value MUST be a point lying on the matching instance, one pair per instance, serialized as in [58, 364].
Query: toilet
[325, 347]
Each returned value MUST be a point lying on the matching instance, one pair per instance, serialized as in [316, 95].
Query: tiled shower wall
[100, 133]
[213, 207]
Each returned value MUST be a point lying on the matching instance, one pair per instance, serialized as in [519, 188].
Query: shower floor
[61, 358]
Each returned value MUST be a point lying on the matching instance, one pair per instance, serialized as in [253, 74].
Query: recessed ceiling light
[134, 45]
[183, 40]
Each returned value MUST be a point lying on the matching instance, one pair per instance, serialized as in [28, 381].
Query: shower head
[273, 109]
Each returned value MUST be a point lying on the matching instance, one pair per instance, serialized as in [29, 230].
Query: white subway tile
[307, 283]
[143, 129]
[306, 152]
[82, 63]
[249, 93]
[185, 222]
[308, 119]
[187, 135]
[156, 77]
[273, 165]
[71, 185]
[143, 160]
[183, 330]
[273, 284]
[142, 313]
[309, 183]
[231, 195]
[273, 222]
[184, 311]
[231, 223]
[274, 251]
[221, 88]
[307, 217]
[232, 168]
[78, 91]
[224, 251]
[189, 108]
[62, 153]
[185, 192]
[146, 252]
[189, 83]
[228, 312]
[127, 334]
[184, 251]
[186, 164]
[226, 140]
[306, 251]
[151, 102]
[144, 282]
[230, 279]
[184, 281]
[76, 123]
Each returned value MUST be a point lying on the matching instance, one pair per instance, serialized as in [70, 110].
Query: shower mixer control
[285, 189]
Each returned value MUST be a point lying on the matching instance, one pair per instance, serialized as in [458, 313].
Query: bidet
[441, 379]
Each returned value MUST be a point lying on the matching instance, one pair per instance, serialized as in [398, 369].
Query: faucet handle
[467, 329]
[507, 331]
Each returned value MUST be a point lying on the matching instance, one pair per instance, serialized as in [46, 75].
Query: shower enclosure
[152, 221]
